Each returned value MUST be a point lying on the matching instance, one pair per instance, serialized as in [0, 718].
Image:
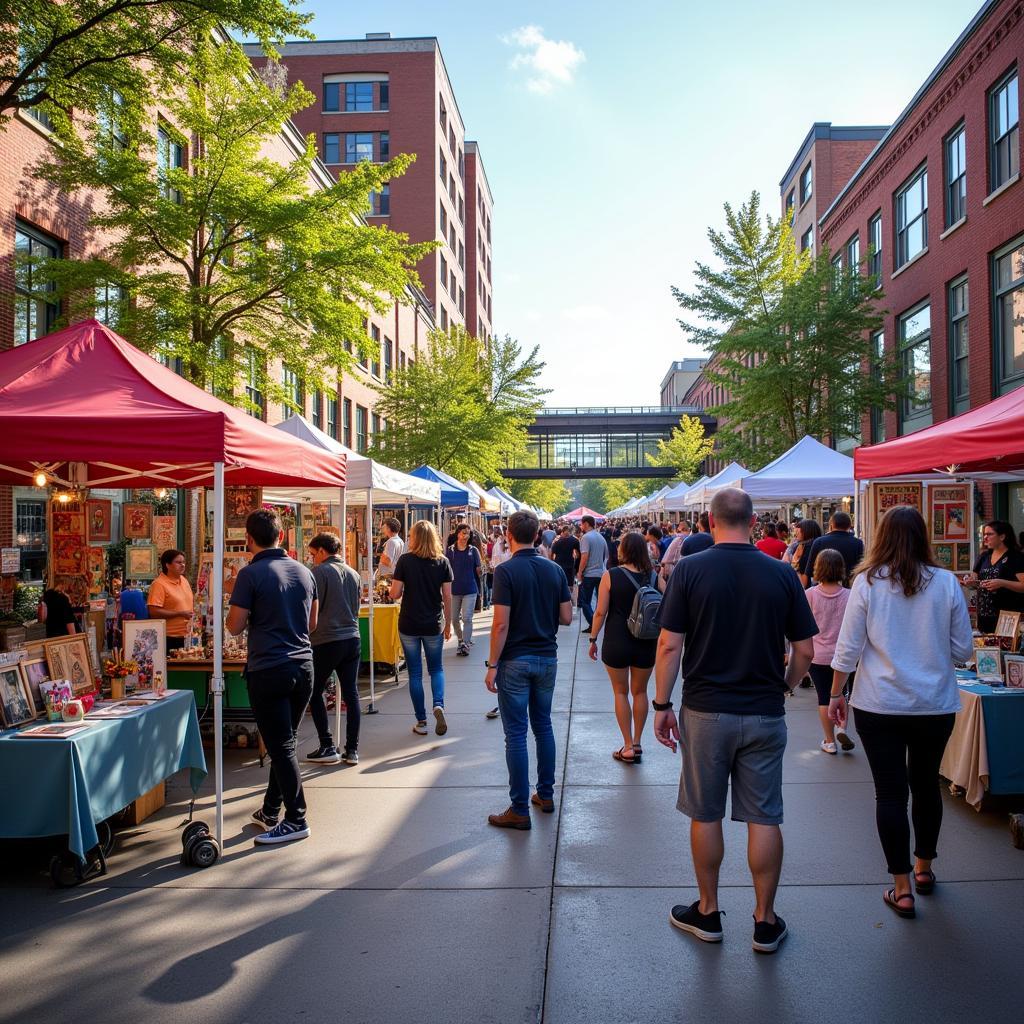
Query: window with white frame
[912, 218]
[956, 175]
[958, 345]
[170, 156]
[1004, 131]
[915, 341]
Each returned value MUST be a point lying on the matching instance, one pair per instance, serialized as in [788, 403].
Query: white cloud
[547, 62]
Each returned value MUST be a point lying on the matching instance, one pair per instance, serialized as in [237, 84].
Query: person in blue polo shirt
[275, 598]
[531, 600]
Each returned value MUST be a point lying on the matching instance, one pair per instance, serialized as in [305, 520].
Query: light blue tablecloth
[1004, 726]
[64, 786]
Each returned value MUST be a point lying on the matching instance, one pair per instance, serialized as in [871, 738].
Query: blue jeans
[588, 588]
[432, 646]
[525, 689]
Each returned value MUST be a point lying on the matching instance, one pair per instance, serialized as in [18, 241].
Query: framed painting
[137, 521]
[963, 558]
[988, 662]
[887, 496]
[1014, 665]
[165, 533]
[67, 555]
[97, 521]
[1008, 624]
[949, 512]
[96, 564]
[16, 704]
[238, 503]
[68, 658]
[234, 562]
[36, 672]
[944, 555]
[141, 561]
[145, 641]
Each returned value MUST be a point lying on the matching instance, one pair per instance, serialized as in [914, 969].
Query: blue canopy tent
[453, 493]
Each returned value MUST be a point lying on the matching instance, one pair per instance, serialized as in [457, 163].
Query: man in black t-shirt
[840, 538]
[566, 553]
[734, 609]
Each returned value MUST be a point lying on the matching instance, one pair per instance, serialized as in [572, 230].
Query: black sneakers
[323, 755]
[767, 937]
[707, 927]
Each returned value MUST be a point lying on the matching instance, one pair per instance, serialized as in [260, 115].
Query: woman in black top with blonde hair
[627, 660]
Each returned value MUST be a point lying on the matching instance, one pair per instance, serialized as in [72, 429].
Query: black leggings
[904, 752]
[341, 656]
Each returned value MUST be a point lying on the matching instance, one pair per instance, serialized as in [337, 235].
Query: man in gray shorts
[735, 609]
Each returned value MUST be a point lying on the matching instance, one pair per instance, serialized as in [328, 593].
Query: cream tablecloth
[965, 762]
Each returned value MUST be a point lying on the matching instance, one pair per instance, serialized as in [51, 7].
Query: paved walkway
[404, 906]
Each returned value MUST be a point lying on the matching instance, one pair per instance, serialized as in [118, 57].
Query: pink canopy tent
[578, 513]
[88, 409]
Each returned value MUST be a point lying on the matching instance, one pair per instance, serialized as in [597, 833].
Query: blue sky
[612, 133]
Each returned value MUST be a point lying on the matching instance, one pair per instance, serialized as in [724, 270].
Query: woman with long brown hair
[902, 609]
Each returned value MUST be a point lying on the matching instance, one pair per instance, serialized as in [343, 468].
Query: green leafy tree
[684, 451]
[550, 495]
[62, 55]
[790, 336]
[236, 247]
[463, 406]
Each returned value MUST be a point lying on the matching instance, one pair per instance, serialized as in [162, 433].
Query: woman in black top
[807, 532]
[628, 661]
[1000, 570]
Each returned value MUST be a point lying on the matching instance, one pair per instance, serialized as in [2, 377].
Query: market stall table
[387, 647]
[984, 753]
[65, 786]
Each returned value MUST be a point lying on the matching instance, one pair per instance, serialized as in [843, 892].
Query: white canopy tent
[700, 495]
[656, 503]
[675, 499]
[368, 483]
[809, 471]
[508, 503]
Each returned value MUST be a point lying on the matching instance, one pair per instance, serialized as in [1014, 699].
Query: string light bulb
[40, 479]
[161, 493]
[63, 497]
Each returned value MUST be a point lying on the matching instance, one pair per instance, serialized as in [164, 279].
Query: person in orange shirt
[170, 598]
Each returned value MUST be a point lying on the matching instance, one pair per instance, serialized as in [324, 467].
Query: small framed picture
[16, 703]
[141, 561]
[68, 658]
[988, 661]
[145, 642]
[97, 520]
[36, 673]
[1008, 624]
[1014, 670]
[944, 555]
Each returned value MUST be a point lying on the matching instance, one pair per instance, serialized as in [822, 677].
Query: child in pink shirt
[828, 603]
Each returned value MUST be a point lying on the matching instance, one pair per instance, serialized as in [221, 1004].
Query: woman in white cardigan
[905, 625]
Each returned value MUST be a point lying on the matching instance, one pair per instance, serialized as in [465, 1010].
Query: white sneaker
[420, 728]
[828, 748]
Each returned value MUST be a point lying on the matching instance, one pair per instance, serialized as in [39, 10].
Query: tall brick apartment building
[937, 209]
[378, 97]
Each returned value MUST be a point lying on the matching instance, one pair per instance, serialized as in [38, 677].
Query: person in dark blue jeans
[531, 600]
[275, 598]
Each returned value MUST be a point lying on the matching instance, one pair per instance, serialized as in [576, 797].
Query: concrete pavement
[405, 906]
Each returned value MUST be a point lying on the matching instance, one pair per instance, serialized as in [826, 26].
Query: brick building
[378, 97]
[679, 379]
[937, 210]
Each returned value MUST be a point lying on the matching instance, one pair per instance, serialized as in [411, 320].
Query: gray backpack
[643, 617]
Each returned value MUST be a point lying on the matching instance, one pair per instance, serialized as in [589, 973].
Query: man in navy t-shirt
[700, 539]
[531, 600]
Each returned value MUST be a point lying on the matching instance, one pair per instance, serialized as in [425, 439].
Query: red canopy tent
[88, 409]
[989, 439]
[578, 513]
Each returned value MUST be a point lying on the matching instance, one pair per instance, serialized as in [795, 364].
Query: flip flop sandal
[638, 753]
[620, 756]
[927, 887]
[890, 899]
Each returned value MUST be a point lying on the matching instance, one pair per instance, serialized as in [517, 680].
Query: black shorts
[821, 676]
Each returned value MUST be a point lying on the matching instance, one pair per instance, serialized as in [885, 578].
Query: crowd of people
[745, 610]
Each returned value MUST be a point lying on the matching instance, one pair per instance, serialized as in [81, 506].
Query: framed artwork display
[949, 512]
[68, 658]
[1008, 624]
[963, 557]
[234, 562]
[96, 563]
[145, 641]
[944, 555]
[165, 533]
[239, 502]
[97, 520]
[141, 561]
[16, 703]
[36, 672]
[137, 521]
[1014, 665]
[988, 661]
[887, 496]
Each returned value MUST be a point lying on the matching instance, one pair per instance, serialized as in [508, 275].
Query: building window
[384, 92]
[462, 255]
[807, 239]
[332, 148]
[442, 113]
[837, 271]
[442, 217]
[34, 316]
[401, 360]
[806, 184]
[956, 176]
[375, 357]
[875, 248]
[109, 299]
[384, 147]
[462, 165]
[451, 238]
[292, 388]
[1004, 131]
[361, 419]
[316, 406]
[389, 358]
[790, 204]
[444, 319]
[376, 424]
[384, 200]
[444, 272]
[853, 262]
[877, 412]
[110, 123]
[331, 97]
[451, 140]
[915, 340]
[451, 189]
[170, 156]
[462, 302]
[912, 218]
[332, 417]
[442, 167]
[254, 383]
[1008, 283]
[462, 210]
[346, 421]
[452, 284]
[358, 96]
[358, 147]
[958, 345]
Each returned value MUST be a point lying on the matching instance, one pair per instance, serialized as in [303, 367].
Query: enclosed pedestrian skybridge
[600, 441]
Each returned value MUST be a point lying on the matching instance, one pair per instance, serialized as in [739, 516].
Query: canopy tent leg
[217, 611]
[371, 710]
[344, 549]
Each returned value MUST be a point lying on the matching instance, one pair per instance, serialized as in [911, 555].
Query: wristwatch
[488, 665]
[667, 706]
